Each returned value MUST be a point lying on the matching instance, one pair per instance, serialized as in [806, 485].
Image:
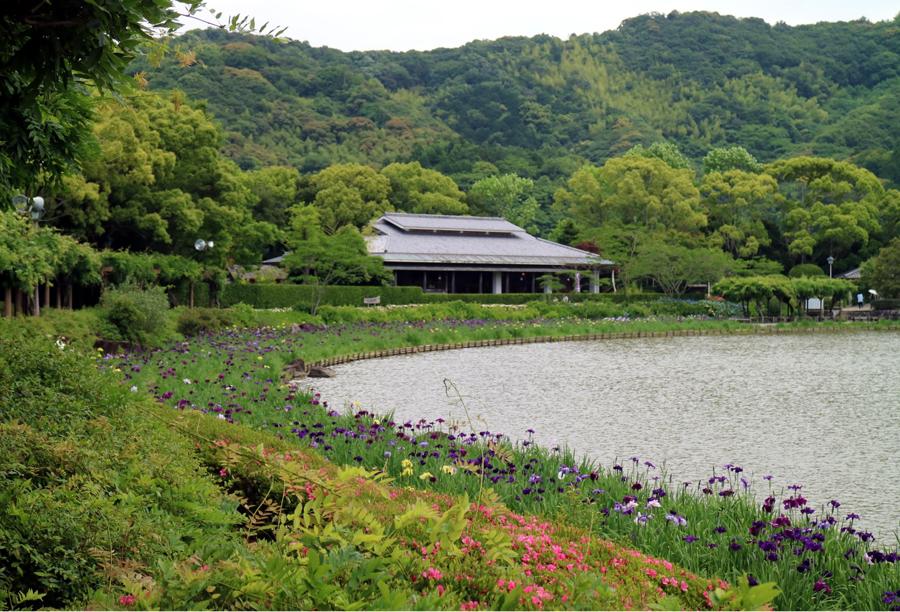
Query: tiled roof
[450, 223]
[445, 239]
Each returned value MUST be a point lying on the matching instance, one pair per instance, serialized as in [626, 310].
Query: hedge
[288, 295]
[886, 304]
[266, 295]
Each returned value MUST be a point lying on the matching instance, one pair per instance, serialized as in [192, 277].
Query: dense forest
[539, 107]
[686, 147]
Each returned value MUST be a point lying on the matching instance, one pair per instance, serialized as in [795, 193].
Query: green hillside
[541, 106]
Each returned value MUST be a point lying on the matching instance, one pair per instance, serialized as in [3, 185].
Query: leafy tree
[321, 259]
[349, 194]
[509, 196]
[634, 190]
[565, 232]
[672, 268]
[276, 188]
[158, 182]
[723, 159]
[419, 190]
[738, 203]
[666, 151]
[757, 290]
[821, 287]
[882, 272]
[52, 55]
[829, 204]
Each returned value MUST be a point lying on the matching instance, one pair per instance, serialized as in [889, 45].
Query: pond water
[819, 410]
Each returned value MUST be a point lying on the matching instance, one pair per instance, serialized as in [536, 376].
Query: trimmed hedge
[886, 304]
[290, 295]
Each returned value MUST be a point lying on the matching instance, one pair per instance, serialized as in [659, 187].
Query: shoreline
[750, 330]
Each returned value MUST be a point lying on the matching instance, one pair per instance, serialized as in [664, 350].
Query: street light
[200, 245]
[830, 261]
[203, 245]
[34, 207]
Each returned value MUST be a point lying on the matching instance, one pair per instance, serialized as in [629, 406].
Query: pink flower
[126, 600]
[432, 573]
[440, 590]
[684, 586]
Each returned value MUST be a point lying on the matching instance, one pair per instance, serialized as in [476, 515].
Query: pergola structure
[461, 254]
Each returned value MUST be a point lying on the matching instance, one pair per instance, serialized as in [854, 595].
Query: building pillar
[595, 281]
[577, 282]
[498, 282]
[453, 282]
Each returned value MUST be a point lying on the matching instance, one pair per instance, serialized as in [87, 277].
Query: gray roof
[445, 239]
[450, 223]
[853, 274]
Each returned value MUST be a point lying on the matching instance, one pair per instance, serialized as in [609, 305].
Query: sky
[401, 25]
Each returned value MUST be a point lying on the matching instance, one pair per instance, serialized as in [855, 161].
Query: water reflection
[820, 410]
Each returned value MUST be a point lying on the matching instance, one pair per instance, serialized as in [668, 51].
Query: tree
[52, 55]
[723, 159]
[349, 194]
[633, 190]
[565, 232]
[882, 272]
[509, 196]
[666, 151]
[419, 190]
[321, 259]
[674, 267]
[738, 203]
[157, 181]
[276, 189]
[829, 205]
[757, 290]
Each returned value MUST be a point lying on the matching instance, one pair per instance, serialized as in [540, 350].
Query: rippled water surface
[822, 410]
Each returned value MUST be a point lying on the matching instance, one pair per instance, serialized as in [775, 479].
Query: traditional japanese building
[460, 254]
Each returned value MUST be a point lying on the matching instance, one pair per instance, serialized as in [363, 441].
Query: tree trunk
[59, 295]
[47, 295]
[69, 292]
[7, 303]
[192, 295]
[20, 302]
[37, 300]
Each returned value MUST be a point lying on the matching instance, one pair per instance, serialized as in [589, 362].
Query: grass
[113, 501]
[819, 559]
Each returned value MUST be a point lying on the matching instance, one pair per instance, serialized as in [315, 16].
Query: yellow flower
[406, 472]
[448, 469]
[406, 463]
[425, 475]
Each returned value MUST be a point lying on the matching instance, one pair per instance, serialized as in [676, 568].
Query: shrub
[806, 270]
[137, 315]
[194, 321]
[89, 483]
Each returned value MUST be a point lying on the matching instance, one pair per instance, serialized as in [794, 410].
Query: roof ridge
[406, 214]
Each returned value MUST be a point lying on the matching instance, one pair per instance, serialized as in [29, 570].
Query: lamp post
[830, 261]
[34, 208]
[200, 245]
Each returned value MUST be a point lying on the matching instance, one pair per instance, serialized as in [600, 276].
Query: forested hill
[541, 106]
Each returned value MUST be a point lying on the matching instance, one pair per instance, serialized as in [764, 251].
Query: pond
[821, 410]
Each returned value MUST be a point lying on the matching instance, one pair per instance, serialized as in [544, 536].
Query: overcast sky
[401, 25]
